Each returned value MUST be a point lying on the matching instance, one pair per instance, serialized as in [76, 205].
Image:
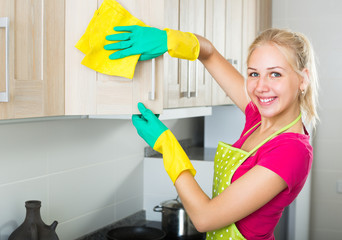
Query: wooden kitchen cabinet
[103, 94]
[224, 30]
[231, 25]
[46, 77]
[29, 92]
[184, 83]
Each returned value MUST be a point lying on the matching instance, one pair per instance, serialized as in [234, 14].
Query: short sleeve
[290, 158]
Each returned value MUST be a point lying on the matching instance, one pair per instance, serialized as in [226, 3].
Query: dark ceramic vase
[33, 227]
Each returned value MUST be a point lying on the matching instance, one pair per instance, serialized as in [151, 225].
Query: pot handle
[158, 208]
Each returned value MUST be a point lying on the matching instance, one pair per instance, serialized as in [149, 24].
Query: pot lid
[172, 204]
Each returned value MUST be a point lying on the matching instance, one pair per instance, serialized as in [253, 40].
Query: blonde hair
[300, 55]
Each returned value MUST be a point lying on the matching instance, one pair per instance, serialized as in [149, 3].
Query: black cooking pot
[135, 233]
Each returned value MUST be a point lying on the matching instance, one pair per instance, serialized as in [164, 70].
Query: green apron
[227, 160]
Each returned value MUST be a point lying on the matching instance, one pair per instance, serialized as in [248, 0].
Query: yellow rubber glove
[183, 45]
[161, 139]
[175, 159]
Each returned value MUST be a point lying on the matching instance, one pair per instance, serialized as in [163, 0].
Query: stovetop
[155, 224]
[138, 219]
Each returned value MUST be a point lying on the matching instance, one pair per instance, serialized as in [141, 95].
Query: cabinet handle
[188, 93]
[152, 94]
[4, 23]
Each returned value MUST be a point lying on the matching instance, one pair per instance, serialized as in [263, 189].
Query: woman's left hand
[150, 42]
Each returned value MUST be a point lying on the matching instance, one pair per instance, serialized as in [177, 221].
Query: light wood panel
[54, 58]
[5, 11]
[80, 81]
[180, 74]
[28, 31]
[221, 36]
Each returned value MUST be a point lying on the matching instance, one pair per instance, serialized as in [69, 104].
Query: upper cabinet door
[224, 30]
[89, 92]
[185, 85]
[36, 59]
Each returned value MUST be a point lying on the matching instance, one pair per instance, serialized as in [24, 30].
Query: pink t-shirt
[290, 156]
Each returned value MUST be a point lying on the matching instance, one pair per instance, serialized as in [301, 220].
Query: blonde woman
[263, 171]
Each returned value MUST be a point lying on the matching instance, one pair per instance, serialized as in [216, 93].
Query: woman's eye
[253, 74]
[275, 74]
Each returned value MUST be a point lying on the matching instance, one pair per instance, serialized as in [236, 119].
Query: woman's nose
[262, 84]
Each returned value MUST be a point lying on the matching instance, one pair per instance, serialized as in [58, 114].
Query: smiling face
[272, 84]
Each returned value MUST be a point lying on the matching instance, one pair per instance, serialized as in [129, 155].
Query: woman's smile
[267, 100]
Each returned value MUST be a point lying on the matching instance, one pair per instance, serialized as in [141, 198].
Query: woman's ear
[304, 80]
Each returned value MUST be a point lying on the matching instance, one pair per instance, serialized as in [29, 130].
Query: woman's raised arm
[229, 79]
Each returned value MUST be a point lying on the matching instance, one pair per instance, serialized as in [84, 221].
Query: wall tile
[319, 234]
[20, 157]
[330, 88]
[326, 214]
[90, 188]
[326, 156]
[324, 183]
[156, 179]
[85, 224]
[80, 143]
[329, 125]
[129, 178]
[128, 207]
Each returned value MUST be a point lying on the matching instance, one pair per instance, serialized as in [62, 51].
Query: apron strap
[276, 133]
[251, 128]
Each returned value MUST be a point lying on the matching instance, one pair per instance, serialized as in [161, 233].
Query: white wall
[87, 173]
[225, 124]
[321, 22]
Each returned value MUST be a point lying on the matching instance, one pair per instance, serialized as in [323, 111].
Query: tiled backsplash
[87, 173]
